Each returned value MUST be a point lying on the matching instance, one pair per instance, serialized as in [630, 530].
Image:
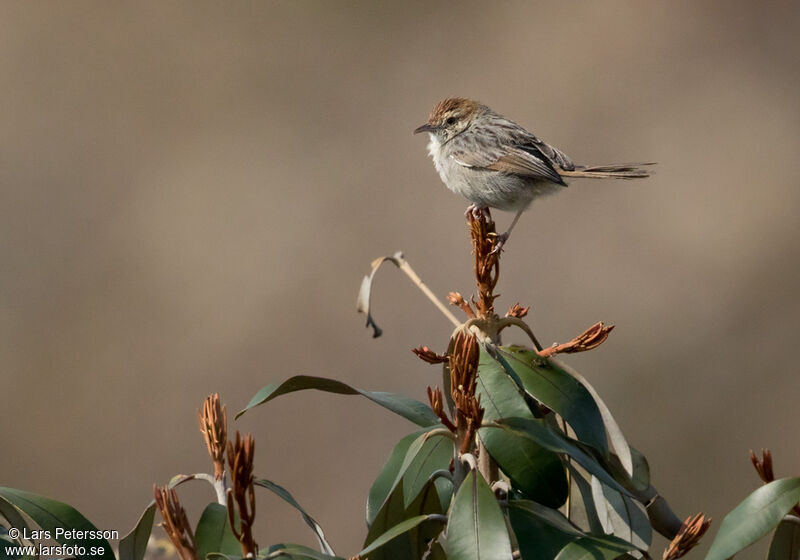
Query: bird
[496, 163]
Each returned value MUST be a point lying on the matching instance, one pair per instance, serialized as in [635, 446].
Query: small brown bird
[495, 163]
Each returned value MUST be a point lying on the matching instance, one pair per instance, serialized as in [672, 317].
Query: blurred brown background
[191, 192]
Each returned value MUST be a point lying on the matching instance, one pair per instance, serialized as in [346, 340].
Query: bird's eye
[451, 120]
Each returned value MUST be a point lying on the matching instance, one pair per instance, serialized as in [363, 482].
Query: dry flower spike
[487, 263]
[592, 338]
[242, 494]
[427, 355]
[437, 405]
[687, 538]
[764, 466]
[463, 382]
[175, 523]
[458, 300]
[517, 311]
[765, 471]
[214, 427]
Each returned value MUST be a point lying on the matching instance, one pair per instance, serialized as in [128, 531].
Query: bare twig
[405, 267]
[363, 302]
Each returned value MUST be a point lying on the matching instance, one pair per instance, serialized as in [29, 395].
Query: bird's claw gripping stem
[500, 240]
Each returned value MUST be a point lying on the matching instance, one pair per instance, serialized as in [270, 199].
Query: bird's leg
[503, 237]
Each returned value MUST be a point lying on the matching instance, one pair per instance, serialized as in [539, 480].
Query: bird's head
[450, 117]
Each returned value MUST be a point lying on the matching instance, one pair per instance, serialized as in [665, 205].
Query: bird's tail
[615, 171]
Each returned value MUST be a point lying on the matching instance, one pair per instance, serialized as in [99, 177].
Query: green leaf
[51, 515]
[424, 454]
[133, 546]
[11, 514]
[221, 556]
[559, 391]
[535, 471]
[214, 533]
[541, 532]
[595, 548]
[548, 438]
[551, 517]
[284, 494]
[582, 509]
[786, 542]
[434, 455]
[394, 532]
[476, 529]
[435, 551]
[410, 409]
[640, 480]
[292, 552]
[413, 543]
[618, 442]
[537, 540]
[756, 516]
[500, 390]
[622, 516]
[662, 518]
[384, 482]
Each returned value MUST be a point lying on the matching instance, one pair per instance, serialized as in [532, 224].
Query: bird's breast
[439, 159]
[483, 187]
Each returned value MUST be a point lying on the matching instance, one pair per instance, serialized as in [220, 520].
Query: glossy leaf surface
[757, 515]
[411, 543]
[554, 441]
[384, 482]
[534, 470]
[284, 494]
[476, 529]
[214, 534]
[595, 548]
[559, 391]
[51, 515]
[289, 552]
[393, 533]
[133, 546]
[410, 409]
[785, 543]
[621, 515]
[541, 532]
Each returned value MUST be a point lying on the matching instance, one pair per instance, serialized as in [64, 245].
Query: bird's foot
[477, 212]
[499, 242]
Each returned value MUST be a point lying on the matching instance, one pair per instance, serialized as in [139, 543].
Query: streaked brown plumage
[495, 163]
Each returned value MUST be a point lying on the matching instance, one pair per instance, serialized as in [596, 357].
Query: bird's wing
[518, 160]
[559, 159]
[512, 149]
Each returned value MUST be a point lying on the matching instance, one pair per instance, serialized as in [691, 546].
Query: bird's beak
[427, 127]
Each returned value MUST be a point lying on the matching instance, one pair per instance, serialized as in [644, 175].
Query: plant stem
[405, 267]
